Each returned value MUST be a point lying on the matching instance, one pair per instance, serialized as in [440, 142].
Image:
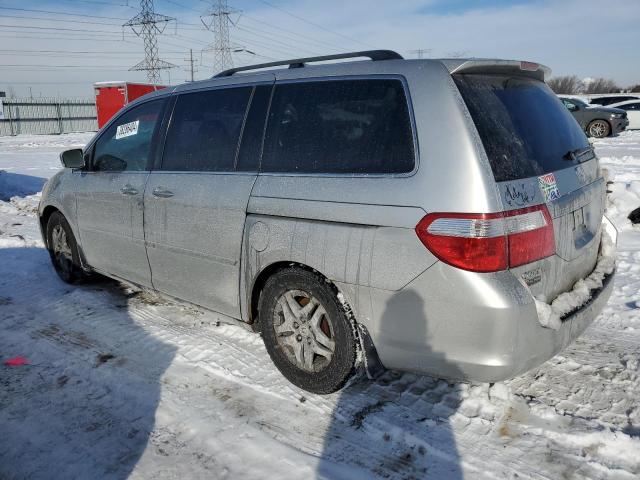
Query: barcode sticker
[127, 130]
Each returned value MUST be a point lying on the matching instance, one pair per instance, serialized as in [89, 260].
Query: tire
[63, 249]
[599, 129]
[301, 319]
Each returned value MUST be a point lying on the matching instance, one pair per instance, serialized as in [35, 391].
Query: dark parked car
[597, 121]
[607, 100]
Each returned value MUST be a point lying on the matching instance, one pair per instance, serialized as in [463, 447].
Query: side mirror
[72, 158]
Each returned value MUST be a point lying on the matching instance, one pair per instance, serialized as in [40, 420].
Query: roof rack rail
[374, 55]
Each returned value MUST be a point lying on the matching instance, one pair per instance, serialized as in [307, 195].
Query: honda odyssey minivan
[406, 214]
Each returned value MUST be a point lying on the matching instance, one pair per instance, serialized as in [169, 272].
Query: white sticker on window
[127, 130]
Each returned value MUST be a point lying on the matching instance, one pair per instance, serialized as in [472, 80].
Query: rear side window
[525, 129]
[204, 130]
[339, 126]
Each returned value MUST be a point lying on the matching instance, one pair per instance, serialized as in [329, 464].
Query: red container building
[112, 96]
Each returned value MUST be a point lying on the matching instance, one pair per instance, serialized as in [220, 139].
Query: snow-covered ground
[122, 383]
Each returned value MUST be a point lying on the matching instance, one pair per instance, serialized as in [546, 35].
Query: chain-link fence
[46, 115]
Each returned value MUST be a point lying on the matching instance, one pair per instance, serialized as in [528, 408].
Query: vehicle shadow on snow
[397, 426]
[86, 406]
[12, 184]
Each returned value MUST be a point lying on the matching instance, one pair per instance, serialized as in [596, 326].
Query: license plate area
[577, 217]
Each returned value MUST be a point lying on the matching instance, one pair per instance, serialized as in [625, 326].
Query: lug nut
[299, 338]
[296, 324]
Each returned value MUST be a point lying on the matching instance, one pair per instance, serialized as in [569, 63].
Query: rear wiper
[577, 154]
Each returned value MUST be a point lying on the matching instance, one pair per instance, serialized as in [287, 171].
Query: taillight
[488, 242]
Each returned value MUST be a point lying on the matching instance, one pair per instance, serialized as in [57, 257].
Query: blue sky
[72, 43]
[455, 7]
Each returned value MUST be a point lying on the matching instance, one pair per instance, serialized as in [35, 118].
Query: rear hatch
[539, 155]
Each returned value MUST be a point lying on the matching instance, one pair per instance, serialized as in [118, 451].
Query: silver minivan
[360, 215]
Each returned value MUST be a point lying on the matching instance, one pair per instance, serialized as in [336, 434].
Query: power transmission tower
[147, 24]
[420, 52]
[217, 19]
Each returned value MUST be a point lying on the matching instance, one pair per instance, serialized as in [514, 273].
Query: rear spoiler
[508, 67]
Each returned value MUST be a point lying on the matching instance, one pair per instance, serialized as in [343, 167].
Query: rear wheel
[307, 331]
[63, 249]
[599, 129]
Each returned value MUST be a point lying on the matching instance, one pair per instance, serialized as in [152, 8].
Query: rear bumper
[537, 344]
[468, 326]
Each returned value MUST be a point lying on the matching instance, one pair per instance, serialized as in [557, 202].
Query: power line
[181, 38]
[63, 39]
[65, 20]
[274, 37]
[33, 10]
[261, 45]
[59, 29]
[99, 3]
[47, 52]
[295, 37]
[44, 65]
[44, 83]
[315, 24]
[261, 41]
[182, 6]
[271, 39]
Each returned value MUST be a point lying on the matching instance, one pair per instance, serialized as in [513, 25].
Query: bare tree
[566, 84]
[635, 88]
[602, 85]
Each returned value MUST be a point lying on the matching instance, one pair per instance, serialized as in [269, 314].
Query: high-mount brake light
[529, 66]
[489, 242]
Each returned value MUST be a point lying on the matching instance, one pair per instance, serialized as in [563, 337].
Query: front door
[110, 195]
[195, 204]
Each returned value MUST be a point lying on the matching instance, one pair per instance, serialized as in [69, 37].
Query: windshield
[525, 129]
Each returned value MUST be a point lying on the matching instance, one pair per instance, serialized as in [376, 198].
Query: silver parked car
[389, 212]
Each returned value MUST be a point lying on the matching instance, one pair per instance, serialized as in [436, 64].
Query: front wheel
[307, 331]
[63, 249]
[599, 129]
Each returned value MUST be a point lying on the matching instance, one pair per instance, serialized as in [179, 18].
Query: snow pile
[27, 205]
[550, 315]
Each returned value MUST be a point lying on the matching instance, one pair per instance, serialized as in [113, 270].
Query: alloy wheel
[61, 250]
[304, 330]
[598, 129]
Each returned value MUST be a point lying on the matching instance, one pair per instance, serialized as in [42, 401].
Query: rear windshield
[525, 129]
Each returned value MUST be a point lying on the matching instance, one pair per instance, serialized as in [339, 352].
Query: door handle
[162, 193]
[128, 190]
